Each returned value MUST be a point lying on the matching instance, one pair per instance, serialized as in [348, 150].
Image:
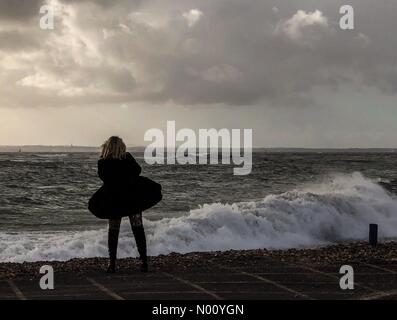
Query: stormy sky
[283, 68]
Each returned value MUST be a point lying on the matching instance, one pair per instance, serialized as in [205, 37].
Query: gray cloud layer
[231, 52]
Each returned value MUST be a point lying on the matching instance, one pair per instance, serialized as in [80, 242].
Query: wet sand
[236, 274]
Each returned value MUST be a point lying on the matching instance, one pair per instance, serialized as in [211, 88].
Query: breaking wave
[339, 209]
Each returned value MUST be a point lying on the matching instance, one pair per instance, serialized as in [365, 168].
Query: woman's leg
[140, 238]
[113, 239]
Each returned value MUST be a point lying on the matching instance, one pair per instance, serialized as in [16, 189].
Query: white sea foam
[326, 213]
[51, 155]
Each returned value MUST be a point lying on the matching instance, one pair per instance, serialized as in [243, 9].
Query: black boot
[113, 239]
[140, 239]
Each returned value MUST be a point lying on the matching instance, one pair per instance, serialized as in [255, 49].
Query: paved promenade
[223, 276]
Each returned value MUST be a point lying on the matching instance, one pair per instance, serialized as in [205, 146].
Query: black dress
[124, 192]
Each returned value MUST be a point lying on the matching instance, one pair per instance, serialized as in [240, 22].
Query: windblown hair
[113, 148]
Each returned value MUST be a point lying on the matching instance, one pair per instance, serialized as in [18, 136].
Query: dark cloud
[14, 41]
[107, 3]
[20, 10]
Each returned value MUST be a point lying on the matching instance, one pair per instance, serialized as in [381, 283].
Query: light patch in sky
[192, 17]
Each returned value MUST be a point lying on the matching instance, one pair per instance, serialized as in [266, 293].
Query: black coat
[124, 191]
[118, 175]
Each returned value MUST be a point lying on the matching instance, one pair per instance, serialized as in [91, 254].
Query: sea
[290, 200]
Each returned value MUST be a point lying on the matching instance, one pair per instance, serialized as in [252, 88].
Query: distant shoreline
[88, 149]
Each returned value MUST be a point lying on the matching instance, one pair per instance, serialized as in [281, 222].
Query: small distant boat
[20, 150]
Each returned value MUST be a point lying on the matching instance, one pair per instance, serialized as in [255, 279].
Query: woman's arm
[134, 169]
[101, 171]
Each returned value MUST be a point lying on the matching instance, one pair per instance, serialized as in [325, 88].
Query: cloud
[365, 39]
[192, 17]
[222, 74]
[245, 53]
[21, 10]
[87, 81]
[300, 22]
[16, 41]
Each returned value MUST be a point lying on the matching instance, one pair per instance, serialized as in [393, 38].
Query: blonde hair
[113, 148]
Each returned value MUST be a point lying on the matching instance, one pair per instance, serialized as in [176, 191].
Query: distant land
[56, 149]
[72, 149]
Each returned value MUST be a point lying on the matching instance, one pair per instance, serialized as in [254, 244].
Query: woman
[118, 169]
